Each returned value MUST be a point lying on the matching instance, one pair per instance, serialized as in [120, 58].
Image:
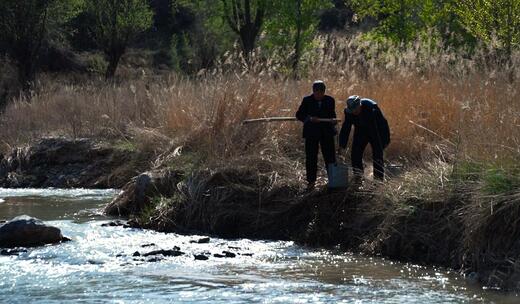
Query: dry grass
[435, 100]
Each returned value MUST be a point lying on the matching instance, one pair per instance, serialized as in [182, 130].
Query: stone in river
[203, 240]
[229, 254]
[200, 257]
[26, 231]
[148, 245]
[174, 252]
[113, 224]
[14, 251]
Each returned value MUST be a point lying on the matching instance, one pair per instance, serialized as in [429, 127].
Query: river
[98, 266]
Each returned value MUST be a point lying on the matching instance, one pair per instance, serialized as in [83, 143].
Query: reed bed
[432, 98]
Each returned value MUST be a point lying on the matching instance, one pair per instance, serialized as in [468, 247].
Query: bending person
[370, 127]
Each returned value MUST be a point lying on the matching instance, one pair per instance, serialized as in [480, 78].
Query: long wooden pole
[270, 119]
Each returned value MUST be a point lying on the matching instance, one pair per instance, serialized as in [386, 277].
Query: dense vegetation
[188, 36]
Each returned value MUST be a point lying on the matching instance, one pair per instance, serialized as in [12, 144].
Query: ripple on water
[82, 194]
[99, 266]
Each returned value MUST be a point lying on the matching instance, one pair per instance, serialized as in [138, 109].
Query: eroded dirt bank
[67, 163]
[477, 235]
[241, 202]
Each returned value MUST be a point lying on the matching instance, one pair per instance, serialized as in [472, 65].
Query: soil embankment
[65, 163]
[456, 230]
[475, 234]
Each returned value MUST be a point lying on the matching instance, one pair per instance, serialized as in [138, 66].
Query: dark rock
[119, 255]
[132, 224]
[14, 251]
[246, 254]
[113, 224]
[229, 254]
[137, 194]
[25, 231]
[154, 259]
[200, 257]
[218, 255]
[175, 252]
[234, 248]
[147, 245]
[136, 254]
[65, 163]
[203, 240]
[65, 240]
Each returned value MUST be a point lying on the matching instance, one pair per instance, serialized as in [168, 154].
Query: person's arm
[333, 115]
[344, 134]
[302, 114]
[383, 130]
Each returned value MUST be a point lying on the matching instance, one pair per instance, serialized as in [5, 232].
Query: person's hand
[315, 119]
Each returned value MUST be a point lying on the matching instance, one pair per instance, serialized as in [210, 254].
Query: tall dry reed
[435, 100]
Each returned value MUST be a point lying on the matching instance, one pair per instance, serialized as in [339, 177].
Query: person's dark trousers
[359, 144]
[311, 154]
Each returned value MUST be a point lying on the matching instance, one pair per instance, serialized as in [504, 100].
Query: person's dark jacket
[370, 122]
[326, 108]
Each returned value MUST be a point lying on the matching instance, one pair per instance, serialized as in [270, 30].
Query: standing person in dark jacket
[317, 133]
[371, 127]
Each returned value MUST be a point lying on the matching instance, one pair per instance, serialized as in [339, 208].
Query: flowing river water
[98, 265]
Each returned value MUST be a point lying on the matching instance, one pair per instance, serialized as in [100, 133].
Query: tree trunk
[297, 41]
[26, 72]
[113, 62]
[248, 39]
[245, 22]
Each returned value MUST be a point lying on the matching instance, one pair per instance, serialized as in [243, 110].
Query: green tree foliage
[246, 18]
[25, 24]
[404, 20]
[495, 22]
[117, 23]
[208, 37]
[293, 25]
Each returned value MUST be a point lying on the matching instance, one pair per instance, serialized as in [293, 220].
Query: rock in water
[200, 257]
[14, 251]
[175, 252]
[26, 231]
[137, 193]
[203, 240]
[229, 254]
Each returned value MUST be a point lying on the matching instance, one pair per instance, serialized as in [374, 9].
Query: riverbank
[431, 215]
[457, 215]
[59, 162]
